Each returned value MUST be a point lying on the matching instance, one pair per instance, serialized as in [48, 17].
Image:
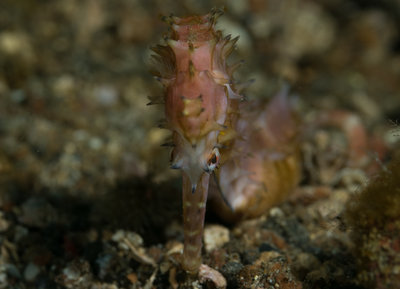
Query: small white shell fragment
[209, 274]
[276, 212]
[215, 236]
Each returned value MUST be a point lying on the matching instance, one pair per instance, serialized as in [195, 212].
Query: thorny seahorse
[212, 127]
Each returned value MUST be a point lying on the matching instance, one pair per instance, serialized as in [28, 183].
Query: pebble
[215, 236]
[20, 232]
[238, 7]
[12, 271]
[37, 212]
[106, 95]
[16, 44]
[77, 272]
[64, 86]
[95, 143]
[276, 212]
[31, 272]
[135, 239]
[104, 264]
[312, 31]
[244, 44]
[18, 95]
[3, 280]
[4, 224]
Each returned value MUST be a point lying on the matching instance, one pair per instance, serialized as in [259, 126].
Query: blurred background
[74, 76]
[74, 79]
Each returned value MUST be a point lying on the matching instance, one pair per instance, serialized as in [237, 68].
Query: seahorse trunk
[194, 209]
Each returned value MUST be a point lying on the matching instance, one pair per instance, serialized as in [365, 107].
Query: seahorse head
[199, 94]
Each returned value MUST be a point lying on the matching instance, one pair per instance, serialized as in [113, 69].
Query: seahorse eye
[213, 160]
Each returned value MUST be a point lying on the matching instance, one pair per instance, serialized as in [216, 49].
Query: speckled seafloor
[86, 196]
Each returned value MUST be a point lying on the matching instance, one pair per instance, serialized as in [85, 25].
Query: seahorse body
[199, 102]
[205, 114]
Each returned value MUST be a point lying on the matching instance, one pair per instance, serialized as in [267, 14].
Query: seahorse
[213, 127]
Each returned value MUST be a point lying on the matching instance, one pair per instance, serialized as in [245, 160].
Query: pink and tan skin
[212, 127]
